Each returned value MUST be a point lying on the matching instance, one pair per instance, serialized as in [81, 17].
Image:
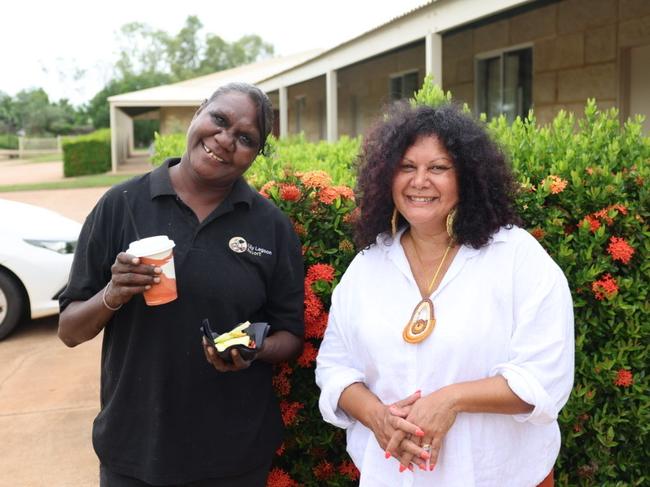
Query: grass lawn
[93, 181]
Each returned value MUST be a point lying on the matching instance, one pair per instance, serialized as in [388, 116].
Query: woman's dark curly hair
[486, 186]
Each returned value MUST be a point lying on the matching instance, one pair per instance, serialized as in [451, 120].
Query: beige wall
[363, 89]
[638, 83]
[175, 119]
[312, 119]
[577, 50]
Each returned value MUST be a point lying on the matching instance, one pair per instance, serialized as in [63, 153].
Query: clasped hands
[412, 429]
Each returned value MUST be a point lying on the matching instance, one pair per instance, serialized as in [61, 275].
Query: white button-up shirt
[504, 309]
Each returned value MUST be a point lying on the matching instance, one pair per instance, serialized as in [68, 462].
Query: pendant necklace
[422, 320]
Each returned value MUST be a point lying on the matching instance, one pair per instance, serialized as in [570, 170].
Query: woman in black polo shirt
[169, 416]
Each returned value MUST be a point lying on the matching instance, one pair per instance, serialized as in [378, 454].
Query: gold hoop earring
[393, 222]
[451, 217]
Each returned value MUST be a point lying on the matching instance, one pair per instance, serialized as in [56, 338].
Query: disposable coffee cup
[157, 251]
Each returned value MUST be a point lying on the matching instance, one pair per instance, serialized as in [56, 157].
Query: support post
[284, 112]
[433, 50]
[332, 106]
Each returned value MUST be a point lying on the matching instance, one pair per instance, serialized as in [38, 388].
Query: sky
[69, 47]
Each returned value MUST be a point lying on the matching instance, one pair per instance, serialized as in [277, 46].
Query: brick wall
[578, 46]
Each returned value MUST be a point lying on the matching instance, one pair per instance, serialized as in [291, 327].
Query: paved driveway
[49, 394]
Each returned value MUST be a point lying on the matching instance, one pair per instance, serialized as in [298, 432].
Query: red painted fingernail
[425, 455]
[387, 454]
[422, 468]
[411, 468]
[401, 468]
[431, 467]
[418, 391]
[419, 432]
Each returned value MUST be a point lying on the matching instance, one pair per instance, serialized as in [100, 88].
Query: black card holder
[257, 331]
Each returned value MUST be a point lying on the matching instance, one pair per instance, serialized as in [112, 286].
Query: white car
[36, 250]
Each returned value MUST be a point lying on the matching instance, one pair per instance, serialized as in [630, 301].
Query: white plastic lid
[150, 246]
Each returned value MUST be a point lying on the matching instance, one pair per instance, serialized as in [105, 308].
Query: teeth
[421, 199]
[211, 154]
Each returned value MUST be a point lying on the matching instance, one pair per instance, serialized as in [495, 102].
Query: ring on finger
[427, 448]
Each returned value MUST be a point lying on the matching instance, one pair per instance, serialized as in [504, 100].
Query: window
[403, 85]
[505, 84]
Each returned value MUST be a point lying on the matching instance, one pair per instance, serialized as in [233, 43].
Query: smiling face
[223, 139]
[425, 185]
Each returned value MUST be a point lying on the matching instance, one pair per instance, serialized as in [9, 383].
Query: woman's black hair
[262, 104]
[486, 186]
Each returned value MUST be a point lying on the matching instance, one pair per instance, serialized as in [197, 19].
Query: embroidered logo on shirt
[257, 251]
[238, 244]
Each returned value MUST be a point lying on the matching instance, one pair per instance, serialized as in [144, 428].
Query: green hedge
[87, 154]
[8, 141]
[291, 154]
[583, 196]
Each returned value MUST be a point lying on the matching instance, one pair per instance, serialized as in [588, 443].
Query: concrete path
[49, 394]
[16, 171]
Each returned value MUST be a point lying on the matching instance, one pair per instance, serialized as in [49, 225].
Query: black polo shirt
[167, 416]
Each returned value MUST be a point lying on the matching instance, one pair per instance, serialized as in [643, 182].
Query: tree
[150, 57]
[8, 120]
[144, 50]
[98, 110]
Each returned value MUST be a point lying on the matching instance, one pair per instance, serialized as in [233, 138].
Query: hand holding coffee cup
[157, 252]
[147, 267]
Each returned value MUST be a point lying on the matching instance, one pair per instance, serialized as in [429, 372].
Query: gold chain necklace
[423, 320]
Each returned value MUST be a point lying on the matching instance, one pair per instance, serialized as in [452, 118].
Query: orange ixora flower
[348, 469]
[313, 305]
[346, 246]
[619, 249]
[279, 478]
[324, 470]
[557, 184]
[605, 288]
[281, 382]
[624, 378]
[290, 192]
[327, 195]
[538, 233]
[264, 191]
[353, 216]
[344, 192]
[308, 356]
[604, 213]
[299, 228]
[317, 272]
[290, 411]
[594, 223]
[315, 179]
[316, 327]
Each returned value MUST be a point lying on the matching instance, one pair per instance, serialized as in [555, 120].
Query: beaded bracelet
[104, 299]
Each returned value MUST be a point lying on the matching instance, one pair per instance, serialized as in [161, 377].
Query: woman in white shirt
[449, 350]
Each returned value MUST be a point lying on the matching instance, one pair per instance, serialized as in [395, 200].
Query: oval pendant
[421, 323]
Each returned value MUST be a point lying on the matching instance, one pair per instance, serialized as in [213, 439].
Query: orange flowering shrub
[583, 197]
[313, 453]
